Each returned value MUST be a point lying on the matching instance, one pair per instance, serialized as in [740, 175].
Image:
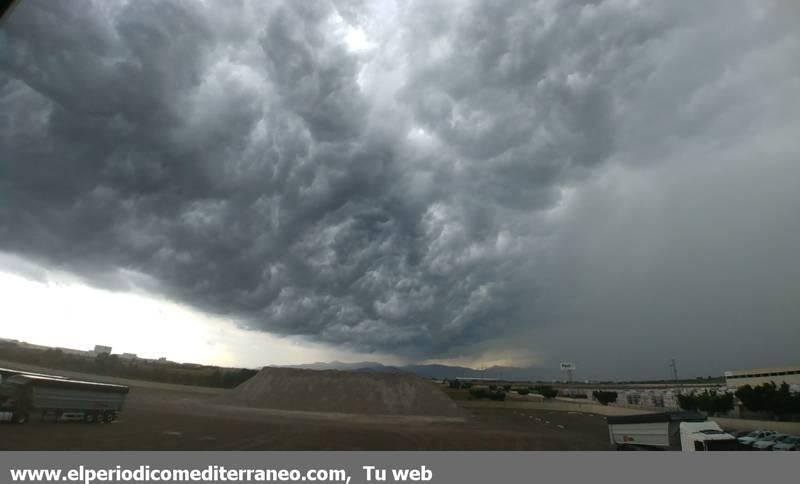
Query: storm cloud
[413, 177]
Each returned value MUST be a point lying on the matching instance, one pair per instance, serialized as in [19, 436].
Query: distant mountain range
[428, 371]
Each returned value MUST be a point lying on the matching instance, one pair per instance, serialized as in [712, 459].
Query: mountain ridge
[426, 371]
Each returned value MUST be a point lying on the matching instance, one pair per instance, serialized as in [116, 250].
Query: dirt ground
[170, 419]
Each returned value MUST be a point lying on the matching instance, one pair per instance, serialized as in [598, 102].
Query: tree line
[770, 398]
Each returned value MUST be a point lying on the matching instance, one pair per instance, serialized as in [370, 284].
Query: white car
[790, 442]
[768, 442]
[754, 437]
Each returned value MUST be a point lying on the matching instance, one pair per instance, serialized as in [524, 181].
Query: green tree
[687, 402]
[479, 393]
[723, 403]
[547, 392]
[761, 398]
[710, 402]
[605, 397]
[769, 397]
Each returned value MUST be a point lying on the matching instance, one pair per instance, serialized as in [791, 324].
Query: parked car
[768, 442]
[754, 437]
[789, 442]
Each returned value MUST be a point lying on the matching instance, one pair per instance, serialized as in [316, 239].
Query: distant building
[100, 350]
[72, 352]
[759, 376]
[29, 346]
[128, 356]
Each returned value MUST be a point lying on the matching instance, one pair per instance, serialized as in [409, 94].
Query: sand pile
[342, 392]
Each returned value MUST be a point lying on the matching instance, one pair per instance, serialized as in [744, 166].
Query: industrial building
[759, 376]
[100, 349]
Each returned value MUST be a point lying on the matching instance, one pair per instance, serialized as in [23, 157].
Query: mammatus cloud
[412, 177]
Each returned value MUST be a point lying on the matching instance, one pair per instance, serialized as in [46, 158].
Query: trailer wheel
[108, 417]
[20, 418]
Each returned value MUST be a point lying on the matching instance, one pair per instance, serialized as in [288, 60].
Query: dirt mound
[341, 392]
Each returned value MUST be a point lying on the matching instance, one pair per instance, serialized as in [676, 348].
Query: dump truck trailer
[683, 431]
[28, 395]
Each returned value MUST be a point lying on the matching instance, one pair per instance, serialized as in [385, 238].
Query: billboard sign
[566, 366]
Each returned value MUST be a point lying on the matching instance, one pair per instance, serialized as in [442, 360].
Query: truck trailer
[683, 431]
[27, 395]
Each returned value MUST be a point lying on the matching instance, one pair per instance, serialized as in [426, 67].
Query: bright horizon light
[59, 311]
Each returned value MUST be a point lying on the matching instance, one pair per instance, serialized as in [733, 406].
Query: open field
[181, 418]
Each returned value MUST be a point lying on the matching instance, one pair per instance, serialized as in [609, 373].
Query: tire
[21, 418]
[89, 417]
[108, 417]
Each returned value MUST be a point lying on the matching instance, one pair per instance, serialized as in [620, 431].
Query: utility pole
[674, 367]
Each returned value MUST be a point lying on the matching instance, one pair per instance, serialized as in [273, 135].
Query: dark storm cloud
[407, 197]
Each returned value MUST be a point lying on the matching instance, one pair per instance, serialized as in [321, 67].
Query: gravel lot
[176, 419]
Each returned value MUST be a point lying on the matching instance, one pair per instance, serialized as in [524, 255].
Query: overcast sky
[614, 183]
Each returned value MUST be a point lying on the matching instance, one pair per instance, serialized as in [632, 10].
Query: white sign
[567, 366]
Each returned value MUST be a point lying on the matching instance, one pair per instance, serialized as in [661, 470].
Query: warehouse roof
[763, 372]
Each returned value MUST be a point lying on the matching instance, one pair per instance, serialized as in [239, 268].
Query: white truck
[684, 431]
